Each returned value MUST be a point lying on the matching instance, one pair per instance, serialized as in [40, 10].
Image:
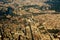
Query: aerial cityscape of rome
[29, 19]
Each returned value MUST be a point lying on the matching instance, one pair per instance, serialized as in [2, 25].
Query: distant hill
[55, 5]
